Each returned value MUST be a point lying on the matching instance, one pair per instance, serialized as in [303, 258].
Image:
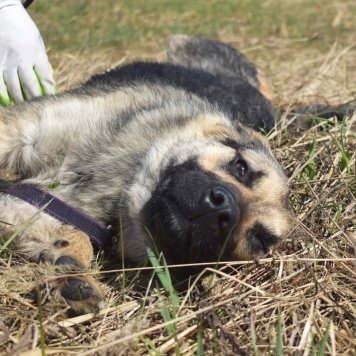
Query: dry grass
[302, 293]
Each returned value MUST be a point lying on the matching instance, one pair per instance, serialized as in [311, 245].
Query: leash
[98, 232]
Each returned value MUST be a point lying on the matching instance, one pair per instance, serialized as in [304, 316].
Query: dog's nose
[218, 210]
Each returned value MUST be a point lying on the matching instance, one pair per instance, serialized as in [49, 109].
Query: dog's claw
[44, 256]
[68, 261]
[79, 290]
[83, 294]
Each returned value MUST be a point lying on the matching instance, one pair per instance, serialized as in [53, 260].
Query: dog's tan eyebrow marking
[251, 145]
[218, 130]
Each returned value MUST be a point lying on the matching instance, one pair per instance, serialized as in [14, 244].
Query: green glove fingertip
[42, 88]
[4, 100]
[23, 91]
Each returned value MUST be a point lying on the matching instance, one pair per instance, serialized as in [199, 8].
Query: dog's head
[220, 195]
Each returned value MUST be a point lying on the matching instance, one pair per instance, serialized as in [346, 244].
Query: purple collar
[98, 232]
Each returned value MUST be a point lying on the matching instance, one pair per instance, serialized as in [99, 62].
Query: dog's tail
[305, 115]
[215, 58]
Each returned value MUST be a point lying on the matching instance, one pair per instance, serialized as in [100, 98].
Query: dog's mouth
[258, 244]
[261, 239]
[208, 237]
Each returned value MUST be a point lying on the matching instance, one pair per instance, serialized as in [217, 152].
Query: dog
[168, 155]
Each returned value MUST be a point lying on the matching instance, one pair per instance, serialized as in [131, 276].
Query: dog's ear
[263, 86]
[216, 58]
[242, 90]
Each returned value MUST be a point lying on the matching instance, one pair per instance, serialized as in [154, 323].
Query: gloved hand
[24, 68]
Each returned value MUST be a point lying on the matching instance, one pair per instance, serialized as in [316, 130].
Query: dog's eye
[240, 167]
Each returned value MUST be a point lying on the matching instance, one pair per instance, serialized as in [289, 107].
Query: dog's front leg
[45, 240]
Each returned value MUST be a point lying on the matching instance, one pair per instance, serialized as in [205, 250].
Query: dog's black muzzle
[194, 212]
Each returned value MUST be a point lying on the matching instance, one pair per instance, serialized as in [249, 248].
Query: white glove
[25, 71]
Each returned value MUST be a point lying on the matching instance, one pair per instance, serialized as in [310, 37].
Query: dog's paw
[82, 293]
[75, 285]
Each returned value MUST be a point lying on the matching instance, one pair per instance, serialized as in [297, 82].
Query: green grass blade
[171, 328]
[159, 270]
[324, 341]
[150, 346]
[164, 276]
[200, 345]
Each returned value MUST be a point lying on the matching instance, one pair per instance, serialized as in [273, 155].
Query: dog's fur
[167, 151]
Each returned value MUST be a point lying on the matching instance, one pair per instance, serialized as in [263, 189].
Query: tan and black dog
[163, 150]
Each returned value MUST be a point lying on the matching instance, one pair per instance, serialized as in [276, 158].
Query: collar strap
[98, 232]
